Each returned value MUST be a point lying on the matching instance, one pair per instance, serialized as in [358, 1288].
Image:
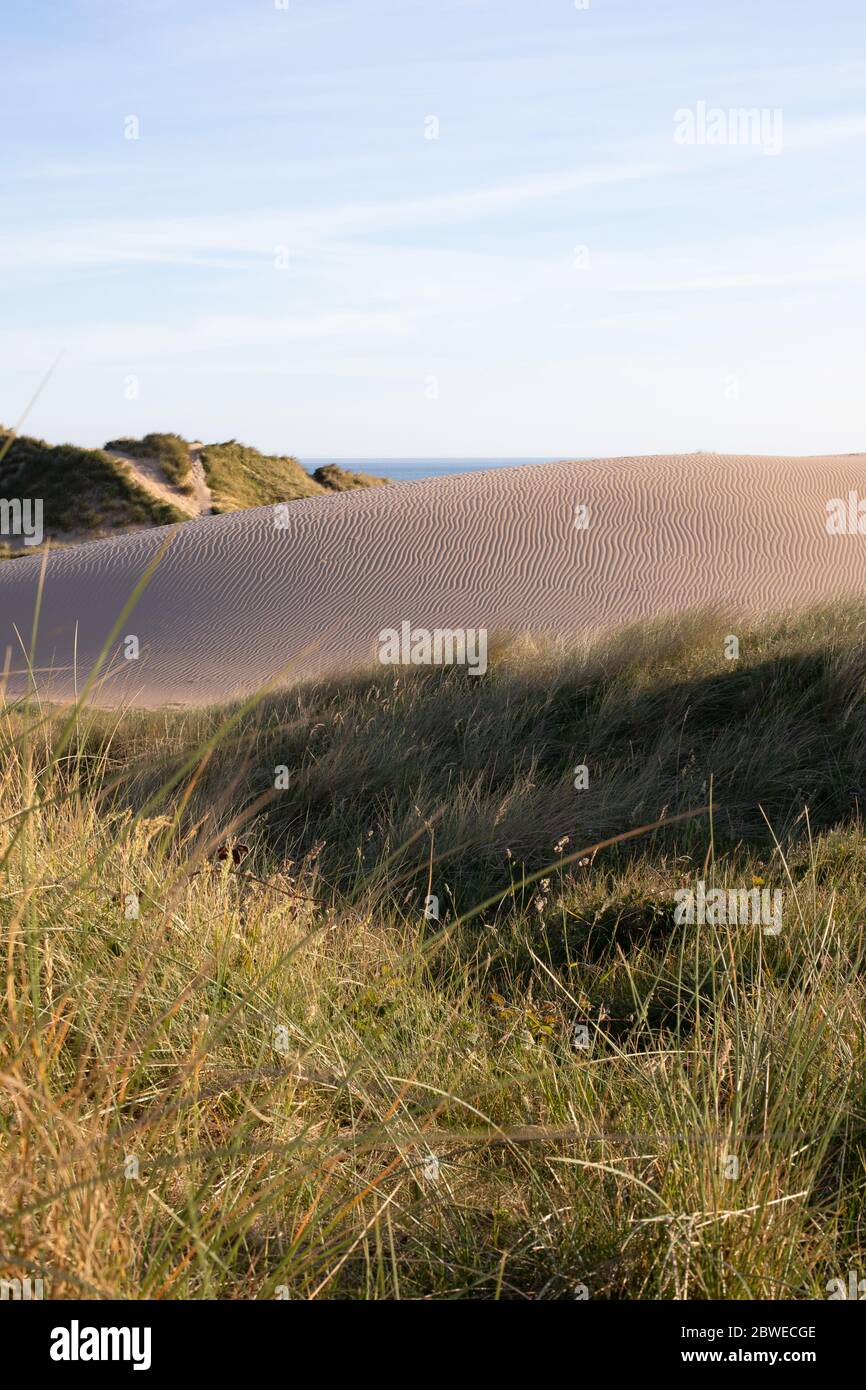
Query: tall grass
[239, 1061]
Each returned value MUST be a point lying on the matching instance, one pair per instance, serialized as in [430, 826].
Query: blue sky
[282, 256]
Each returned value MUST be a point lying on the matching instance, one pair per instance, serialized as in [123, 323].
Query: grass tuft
[238, 1060]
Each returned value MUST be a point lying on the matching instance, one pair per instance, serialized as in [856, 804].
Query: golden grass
[276, 1077]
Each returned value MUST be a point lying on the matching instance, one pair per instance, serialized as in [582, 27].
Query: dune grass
[244, 1056]
[82, 490]
[336, 479]
[88, 494]
[240, 476]
[171, 451]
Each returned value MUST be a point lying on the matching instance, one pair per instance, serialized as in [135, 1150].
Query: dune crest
[239, 600]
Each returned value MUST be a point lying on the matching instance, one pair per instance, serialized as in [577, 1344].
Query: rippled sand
[236, 602]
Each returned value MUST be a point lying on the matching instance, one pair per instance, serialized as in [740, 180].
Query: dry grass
[238, 1079]
[240, 476]
[170, 451]
[83, 491]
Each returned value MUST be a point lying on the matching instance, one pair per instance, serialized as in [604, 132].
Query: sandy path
[201, 493]
[236, 601]
[149, 475]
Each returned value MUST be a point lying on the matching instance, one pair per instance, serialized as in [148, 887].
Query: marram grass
[238, 1061]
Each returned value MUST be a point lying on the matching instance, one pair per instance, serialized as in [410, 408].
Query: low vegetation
[343, 479]
[89, 493]
[351, 992]
[170, 451]
[241, 477]
[84, 491]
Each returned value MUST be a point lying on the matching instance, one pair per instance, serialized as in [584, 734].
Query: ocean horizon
[413, 469]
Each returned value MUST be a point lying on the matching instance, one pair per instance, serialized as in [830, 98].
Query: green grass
[83, 490]
[283, 1045]
[171, 452]
[241, 477]
[87, 493]
[337, 479]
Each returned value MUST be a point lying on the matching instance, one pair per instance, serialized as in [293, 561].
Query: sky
[385, 228]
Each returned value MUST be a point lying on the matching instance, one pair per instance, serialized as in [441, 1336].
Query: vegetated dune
[85, 493]
[130, 484]
[277, 593]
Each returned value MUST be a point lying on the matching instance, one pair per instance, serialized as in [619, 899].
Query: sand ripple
[236, 602]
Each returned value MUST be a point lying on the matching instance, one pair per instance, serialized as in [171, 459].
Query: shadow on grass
[388, 778]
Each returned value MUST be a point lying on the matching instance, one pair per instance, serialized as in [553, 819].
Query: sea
[407, 470]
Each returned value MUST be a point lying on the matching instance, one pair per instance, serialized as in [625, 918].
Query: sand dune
[235, 601]
[150, 475]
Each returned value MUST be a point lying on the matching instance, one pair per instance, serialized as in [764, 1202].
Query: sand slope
[236, 601]
[150, 475]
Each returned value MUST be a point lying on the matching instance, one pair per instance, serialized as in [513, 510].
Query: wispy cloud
[208, 239]
[303, 132]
